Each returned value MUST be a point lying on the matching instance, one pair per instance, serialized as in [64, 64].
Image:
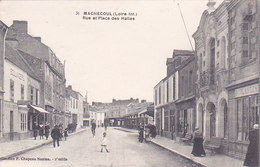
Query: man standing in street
[55, 134]
[47, 131]
[93, 127]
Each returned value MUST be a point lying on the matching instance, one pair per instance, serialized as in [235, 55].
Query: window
[155, 97]
[245, 40]
[22, 92]
[37, 97]
[12, 90]
[247, 115]
[167, 91]
[160, 93]
[166, 120]
[172, 121]
[245, 26]
[245, 54]
[204, 63]
[232, 20]
[190, 81]
[182, 87]
[31, 95]
[173, 88]
[23, 122]
[217, 42]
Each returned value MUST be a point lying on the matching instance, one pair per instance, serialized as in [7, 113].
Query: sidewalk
[185, 151]
[14, 148]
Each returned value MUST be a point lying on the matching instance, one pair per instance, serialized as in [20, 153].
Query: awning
[39, 109]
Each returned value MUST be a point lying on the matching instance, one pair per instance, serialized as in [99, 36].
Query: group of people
[146, 133]
[41, 130]
[57, 133]
[252, 155]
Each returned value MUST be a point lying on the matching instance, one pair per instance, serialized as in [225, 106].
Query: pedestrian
[252, 155]
[55, 134]
[61, 131]
[104, 142]
[141, 134]
[47, 131]
[35, 130]
[65, 133]
[41, 131]
[93, 128]
[197, 140]
[105, 126]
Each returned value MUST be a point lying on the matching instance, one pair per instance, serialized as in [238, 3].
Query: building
[174, 96]
[3, 32]
[21, 104]
[47, 67]
[86, 114]
[227, 54]
[75, 106]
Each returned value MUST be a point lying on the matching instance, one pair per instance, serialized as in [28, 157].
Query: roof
[16, 58]
[182, 52]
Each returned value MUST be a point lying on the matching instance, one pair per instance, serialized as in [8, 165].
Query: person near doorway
[55, 134]
[47, 131]
[41, 131]
[65, 134]
[35, 130]
[197, 140]
[252, 155]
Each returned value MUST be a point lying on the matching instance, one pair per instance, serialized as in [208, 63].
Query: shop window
[172, 121]
[247, 115]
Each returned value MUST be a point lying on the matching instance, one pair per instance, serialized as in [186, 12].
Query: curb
[169, 149]
[33, 148]
[179, 154]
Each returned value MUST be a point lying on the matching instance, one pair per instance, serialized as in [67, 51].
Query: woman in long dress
[198, 149]
[252, 155]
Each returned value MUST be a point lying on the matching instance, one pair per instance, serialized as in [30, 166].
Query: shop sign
[248, 90]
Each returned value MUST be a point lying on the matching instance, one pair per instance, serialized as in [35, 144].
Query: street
[84, 150]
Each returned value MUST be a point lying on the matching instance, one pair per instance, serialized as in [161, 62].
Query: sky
[110, 58]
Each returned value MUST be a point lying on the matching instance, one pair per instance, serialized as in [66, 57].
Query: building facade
[227, 52]
[3, 32]
[46, 65]
[171, 112]
[19, 81]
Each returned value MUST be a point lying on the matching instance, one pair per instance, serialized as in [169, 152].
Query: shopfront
[244, 104]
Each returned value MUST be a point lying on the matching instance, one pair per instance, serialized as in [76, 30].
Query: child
[104, 142]
[65, 133]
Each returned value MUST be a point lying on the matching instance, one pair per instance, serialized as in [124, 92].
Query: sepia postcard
[129, 83]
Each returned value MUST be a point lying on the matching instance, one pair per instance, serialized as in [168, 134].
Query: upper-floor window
[173, 88]
[37, 97]
[22, 92]
[167, 91]
[190, 81]
[160, 94]
[182, 85]
[31, 94]
[155, 97]
[245, 26]
[11, 90]
[245, 40]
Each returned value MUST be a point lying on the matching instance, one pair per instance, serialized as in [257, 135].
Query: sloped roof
[14, 56]
[177, 52]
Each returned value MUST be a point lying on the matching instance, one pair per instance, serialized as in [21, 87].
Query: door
[11, 125]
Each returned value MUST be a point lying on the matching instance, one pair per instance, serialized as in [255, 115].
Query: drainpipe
[2, 114]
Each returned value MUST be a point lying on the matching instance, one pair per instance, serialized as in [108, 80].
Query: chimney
[38, 38]
[20, 26]
[70, 87]
[211, 5]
